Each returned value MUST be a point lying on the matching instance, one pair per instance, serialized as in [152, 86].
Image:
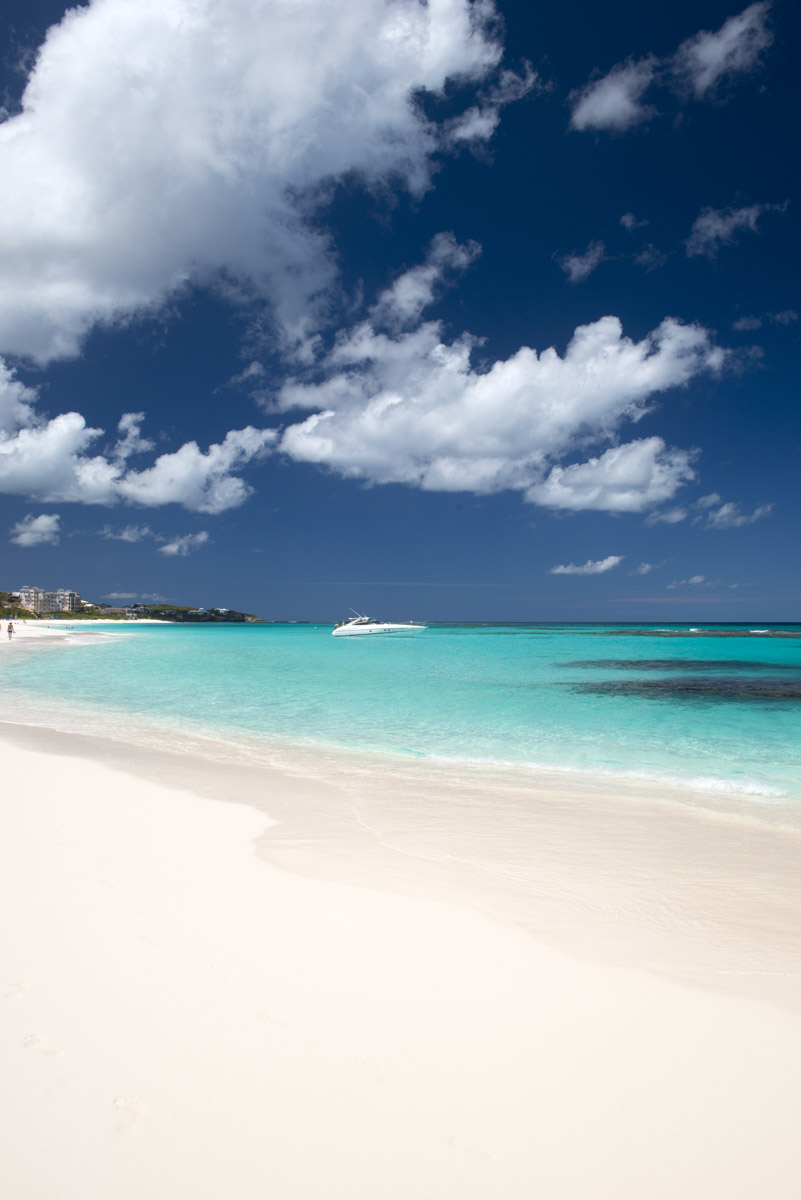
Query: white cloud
[694, 580]
[412, 409]
[630, 222]
[730, 516]
[706, 59]
[402, 304]
[669, 516]
[181, 546]
[167, 141]
[47, 461]
[698, 68]
[135, 596]
[650, 258]
[172, 546]
[615, 102]
[131, 442]
[480, 121]
[628, 478]
[202, 482]
[645, 568]
[37, 531]
[50, 461]
[578, 266]
[599, 567]
[716, 227]
[16, 402]
[711, 512]
[254, 370]
[787, 317]
[131, 533]
[708, 501]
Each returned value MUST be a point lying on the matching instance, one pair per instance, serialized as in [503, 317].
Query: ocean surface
[717, 708]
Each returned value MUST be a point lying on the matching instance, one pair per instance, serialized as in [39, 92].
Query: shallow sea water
[718, 709]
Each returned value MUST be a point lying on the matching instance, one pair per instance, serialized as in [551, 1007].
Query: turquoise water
[721, 712]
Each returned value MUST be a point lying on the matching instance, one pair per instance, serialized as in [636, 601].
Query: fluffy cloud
[408, 407]
[16, 402]
[630, 222]
[37, 531]
[716, 227]
[167, 141]
[181, 546]
[615, 102]
[705, 60]
[698, 68]
[481, 120]
[598, 567]
[403, 303]
[199, 481]
[51, 461]
[627, 478]
[579, 266]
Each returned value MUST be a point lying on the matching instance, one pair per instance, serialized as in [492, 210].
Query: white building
[39, 601]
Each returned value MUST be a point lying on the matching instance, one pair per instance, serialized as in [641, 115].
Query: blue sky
[444, 311]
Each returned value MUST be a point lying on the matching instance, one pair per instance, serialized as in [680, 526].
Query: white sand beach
[29, 631]
[42, 631]
[43, 627]
[184, 1018]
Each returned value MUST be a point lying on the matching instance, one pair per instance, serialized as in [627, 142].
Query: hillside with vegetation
[181, 613]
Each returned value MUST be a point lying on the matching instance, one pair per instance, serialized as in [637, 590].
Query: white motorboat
[360, 625]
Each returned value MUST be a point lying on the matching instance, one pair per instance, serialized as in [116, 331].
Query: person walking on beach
[10, 630]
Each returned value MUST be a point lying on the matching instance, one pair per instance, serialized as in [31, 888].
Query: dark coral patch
[697, 687]
[681, 664]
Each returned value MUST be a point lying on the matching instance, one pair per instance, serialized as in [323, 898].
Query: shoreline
[695, 887]
[760, 782]
[698, 886]
[183, 1017]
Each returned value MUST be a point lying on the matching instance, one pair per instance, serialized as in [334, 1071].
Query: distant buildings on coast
[63, 600]
[40, 601]
[46, 603]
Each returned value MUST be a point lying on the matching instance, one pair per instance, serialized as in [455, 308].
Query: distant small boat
[360, 625]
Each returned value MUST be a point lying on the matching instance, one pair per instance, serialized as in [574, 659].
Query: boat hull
[373, 630]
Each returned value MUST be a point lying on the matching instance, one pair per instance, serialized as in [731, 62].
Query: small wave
[708, 783]
[703, 783]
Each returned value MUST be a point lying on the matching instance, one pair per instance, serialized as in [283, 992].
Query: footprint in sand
[266, 1015]
[35, 1041]
[131, 1110]
[15, 988]
[373, 1067]
[458, 1143]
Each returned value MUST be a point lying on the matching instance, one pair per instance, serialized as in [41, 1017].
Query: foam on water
[548, 697]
